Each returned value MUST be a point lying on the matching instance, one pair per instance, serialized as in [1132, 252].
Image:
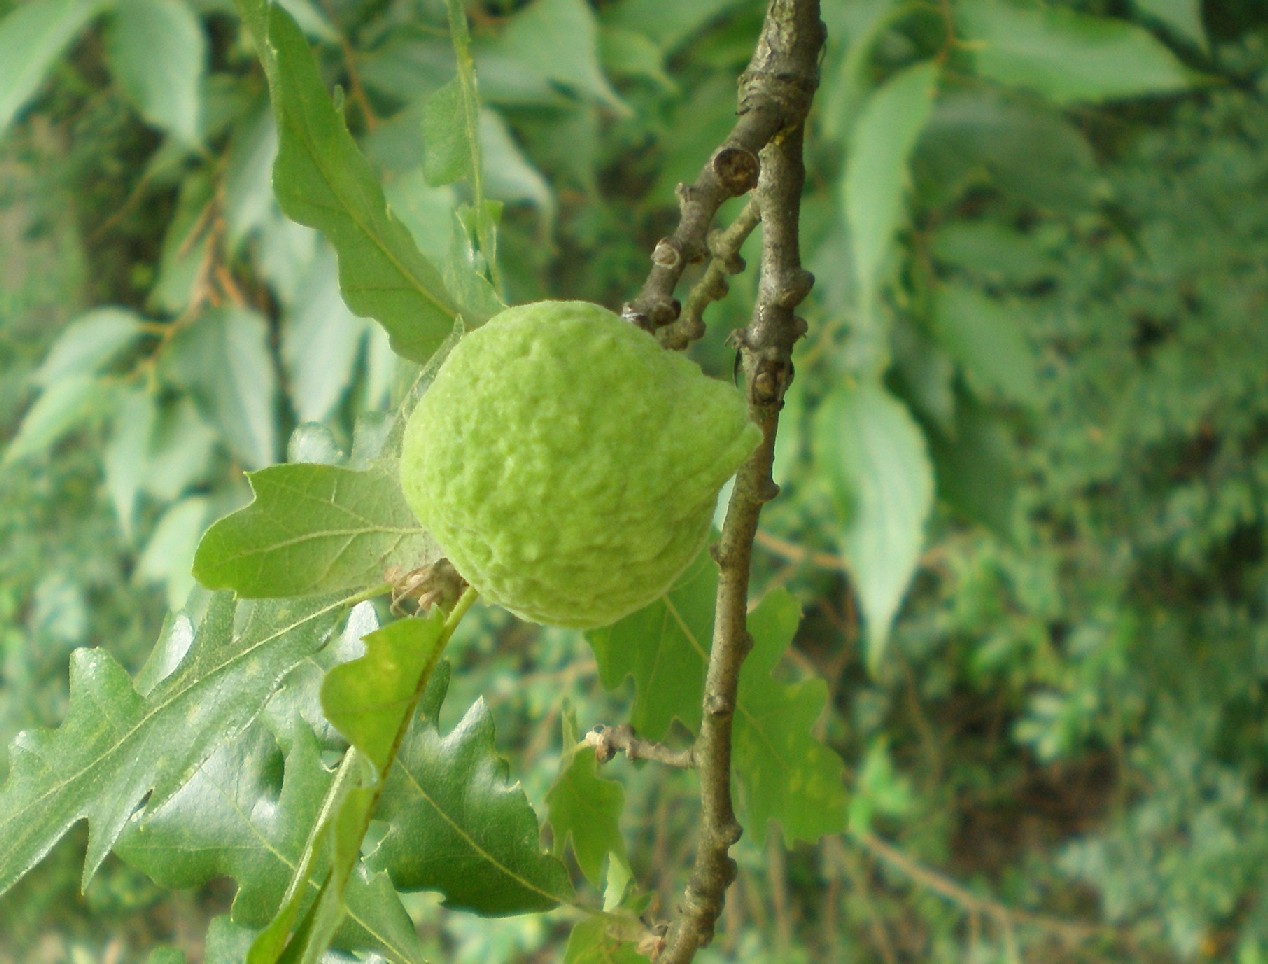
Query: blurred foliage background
[1062, 755]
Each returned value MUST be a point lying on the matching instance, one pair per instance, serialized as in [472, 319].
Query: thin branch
[608, 741]
[775, 95]
[1006, 918]
[724, 260]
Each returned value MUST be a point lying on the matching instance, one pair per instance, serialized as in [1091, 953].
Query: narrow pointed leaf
[877, 177]
[323, 180]
[313, 529]
[457, 825]
[881, 478]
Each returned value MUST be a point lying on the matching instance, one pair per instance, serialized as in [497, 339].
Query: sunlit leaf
[119, 743]
[215, 826]
[313, 529]
[368, 699]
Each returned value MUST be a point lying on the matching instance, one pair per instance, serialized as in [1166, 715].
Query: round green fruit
[567, 465]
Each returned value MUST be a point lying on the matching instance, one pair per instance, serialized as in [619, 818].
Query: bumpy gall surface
[567, 465]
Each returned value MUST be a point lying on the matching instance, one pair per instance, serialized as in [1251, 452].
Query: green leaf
[124, 458]
[321, 342]
[323, 180]
[558, 41]
[88, 344]
[60, 409]
[996, 252]
[225, 360]
[170, 549]
[586, 810]
[32, 36]
[119, 743]
[458, 826]
[668, 24]
[1182, 16]
[368, 699]
[988, 339]
[313, 529]
[665, 648]
[1069, 57]
[783, 773]
[179, 451]
[158, 55]
[977, 468]
[215, 826]
[1021, 148]
[876, 174]
[591, 942]
[447, 137]
[874, 456]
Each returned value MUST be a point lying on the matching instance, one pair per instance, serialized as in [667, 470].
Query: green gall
[567, 465]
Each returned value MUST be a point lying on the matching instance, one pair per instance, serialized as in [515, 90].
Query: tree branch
[775, 96]
[608, 741]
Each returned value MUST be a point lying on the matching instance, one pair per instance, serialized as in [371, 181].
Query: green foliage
[313, 529]
[1023, 462]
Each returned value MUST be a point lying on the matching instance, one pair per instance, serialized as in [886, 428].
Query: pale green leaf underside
[32, 37]
[313, 529]
[1069, 57]
[882, 481]
[876, 177]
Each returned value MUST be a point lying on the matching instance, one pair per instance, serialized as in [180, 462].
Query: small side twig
[724, 260]
[608, 741]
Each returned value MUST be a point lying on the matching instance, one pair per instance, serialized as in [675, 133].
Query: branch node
[737, 169]
[667, 253]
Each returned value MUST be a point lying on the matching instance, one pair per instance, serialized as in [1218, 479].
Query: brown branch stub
[736, 168]
[608, 741]
[775, 95]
